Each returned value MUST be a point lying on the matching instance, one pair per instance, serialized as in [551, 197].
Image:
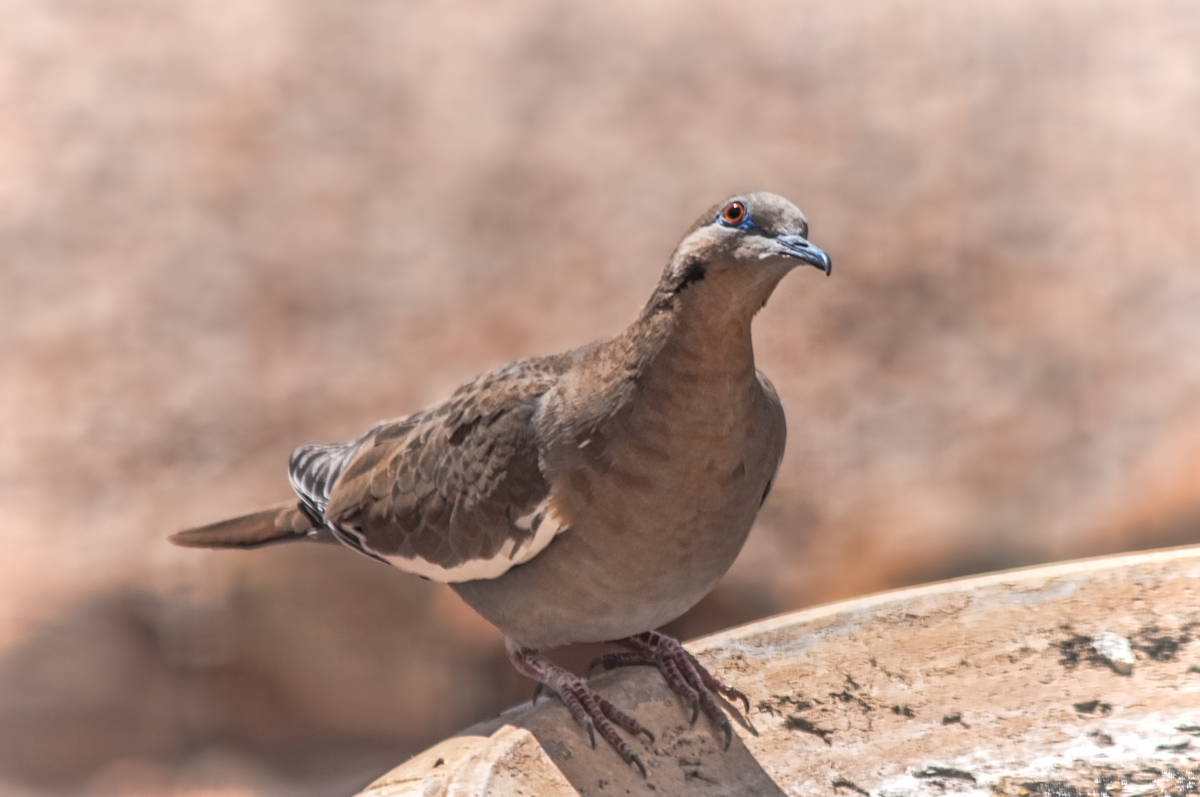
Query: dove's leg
[684, 674]
[589, 709]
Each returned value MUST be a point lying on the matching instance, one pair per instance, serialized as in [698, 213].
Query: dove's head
[741, 248]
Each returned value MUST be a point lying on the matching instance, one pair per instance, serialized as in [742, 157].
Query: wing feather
[447, 492]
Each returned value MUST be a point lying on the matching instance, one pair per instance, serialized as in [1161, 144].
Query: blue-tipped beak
[797, 246]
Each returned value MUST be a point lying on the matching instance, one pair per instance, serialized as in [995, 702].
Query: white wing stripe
[510, 554]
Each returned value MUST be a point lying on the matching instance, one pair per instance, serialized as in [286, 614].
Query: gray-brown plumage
[588, 496]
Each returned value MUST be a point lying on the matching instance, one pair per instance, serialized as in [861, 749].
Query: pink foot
[684, 674]
[589, 709]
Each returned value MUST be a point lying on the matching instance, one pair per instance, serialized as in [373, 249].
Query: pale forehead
[772, 210]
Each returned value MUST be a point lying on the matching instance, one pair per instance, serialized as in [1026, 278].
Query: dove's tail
[285, 522]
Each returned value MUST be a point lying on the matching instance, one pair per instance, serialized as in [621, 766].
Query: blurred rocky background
[230, 228]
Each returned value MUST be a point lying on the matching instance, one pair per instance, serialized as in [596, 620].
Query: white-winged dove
[589, 496]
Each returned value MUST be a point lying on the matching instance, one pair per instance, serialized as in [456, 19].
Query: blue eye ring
[734, 214]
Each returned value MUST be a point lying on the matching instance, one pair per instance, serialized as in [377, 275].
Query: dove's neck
[700, 340]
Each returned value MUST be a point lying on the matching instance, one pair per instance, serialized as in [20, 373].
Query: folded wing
[451, 493]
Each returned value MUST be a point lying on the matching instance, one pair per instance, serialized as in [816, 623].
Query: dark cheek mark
[693, 272]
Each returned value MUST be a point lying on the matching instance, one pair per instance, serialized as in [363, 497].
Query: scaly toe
[611, 661]
[589, 709]
[687, 677]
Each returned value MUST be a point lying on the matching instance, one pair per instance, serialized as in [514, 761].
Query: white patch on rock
[1115, 650]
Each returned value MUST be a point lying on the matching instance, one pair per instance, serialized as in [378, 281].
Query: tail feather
[284, 522]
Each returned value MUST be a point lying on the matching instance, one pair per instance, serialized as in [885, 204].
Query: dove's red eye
[733, 213]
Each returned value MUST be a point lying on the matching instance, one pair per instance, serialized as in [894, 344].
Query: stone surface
[508, 763]
[982, 684]
[1002, 683]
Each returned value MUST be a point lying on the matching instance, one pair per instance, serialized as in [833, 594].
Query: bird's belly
[619, 572]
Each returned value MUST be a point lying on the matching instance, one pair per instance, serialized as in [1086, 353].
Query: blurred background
[230, 228]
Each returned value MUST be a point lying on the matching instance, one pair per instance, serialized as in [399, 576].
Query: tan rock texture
[984, 685]
[509, 762]
[226, 229]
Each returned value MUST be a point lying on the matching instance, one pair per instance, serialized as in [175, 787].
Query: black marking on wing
[353, 538]
[314, 469]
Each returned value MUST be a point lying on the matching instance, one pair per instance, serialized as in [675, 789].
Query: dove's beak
[798, 247]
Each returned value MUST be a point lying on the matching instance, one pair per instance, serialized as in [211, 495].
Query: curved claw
[587, 707]
[537, 692]
[734, 694]
[687, 677]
